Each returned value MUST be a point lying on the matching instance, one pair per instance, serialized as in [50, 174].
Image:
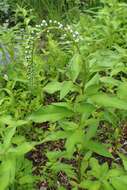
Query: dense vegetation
[63, 95]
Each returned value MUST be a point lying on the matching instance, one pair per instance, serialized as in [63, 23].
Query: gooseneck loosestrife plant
[63, 108]
[37, 32]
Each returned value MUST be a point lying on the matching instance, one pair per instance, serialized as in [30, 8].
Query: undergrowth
[63, 100]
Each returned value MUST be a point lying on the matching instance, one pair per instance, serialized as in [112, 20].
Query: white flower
[74, 36]
[28, 57]
[5, 77]
[61, 26]
[50, 21]
[27, 47]
[64, 35]
[76, 33]
[43, 21]
[71, 30]
[32, 32]
[55, 22]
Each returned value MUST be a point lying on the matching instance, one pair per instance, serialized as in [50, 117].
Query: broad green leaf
[68, 126]
[106, 185]
[54, 136]
[54, 155]
[75, 66]
[98, 148]
[115, 173]
[84, 108]
[7, 119]
[109, 116]
[92, 128]
[84, 165]
[75, 138]
[18, 139]
[27, 179]
[9, 133]
[93, 81]
[95, 168]
[104, 169]
[66, 88]
[122, 91]
[64, 104]
[50, 113]
[109, 101]
[22, 149]
[124, 160]
[52, 87]
[90, 185]
[110, 81]
[91, 90]
[7, 173]
[119, 183]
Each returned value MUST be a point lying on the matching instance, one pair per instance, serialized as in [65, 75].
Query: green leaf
[119, 183]
[92, 128]
[66, 88]
[68, 126]
[52, 87]
[75, 66]
[110, 81]
[122, 91]
[27, 179]
[50, 113]
[98, 148]
[124, 160]
[115, 172]
[109, 101]
[54, 155]
[22, 149]
[54, 136]
[93, 81]
[75, 138]
[7, 173]
[106, 185]
[90, 185]
[95, 168]
[9, 133]
[84, 108]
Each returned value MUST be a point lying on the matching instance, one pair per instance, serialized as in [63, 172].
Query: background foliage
[63, 97]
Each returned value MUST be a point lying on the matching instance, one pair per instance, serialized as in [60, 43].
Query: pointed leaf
[66, 88]
[50, 113]
[98, 148]
[109, 101]
[75, 66]
[52, 87]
